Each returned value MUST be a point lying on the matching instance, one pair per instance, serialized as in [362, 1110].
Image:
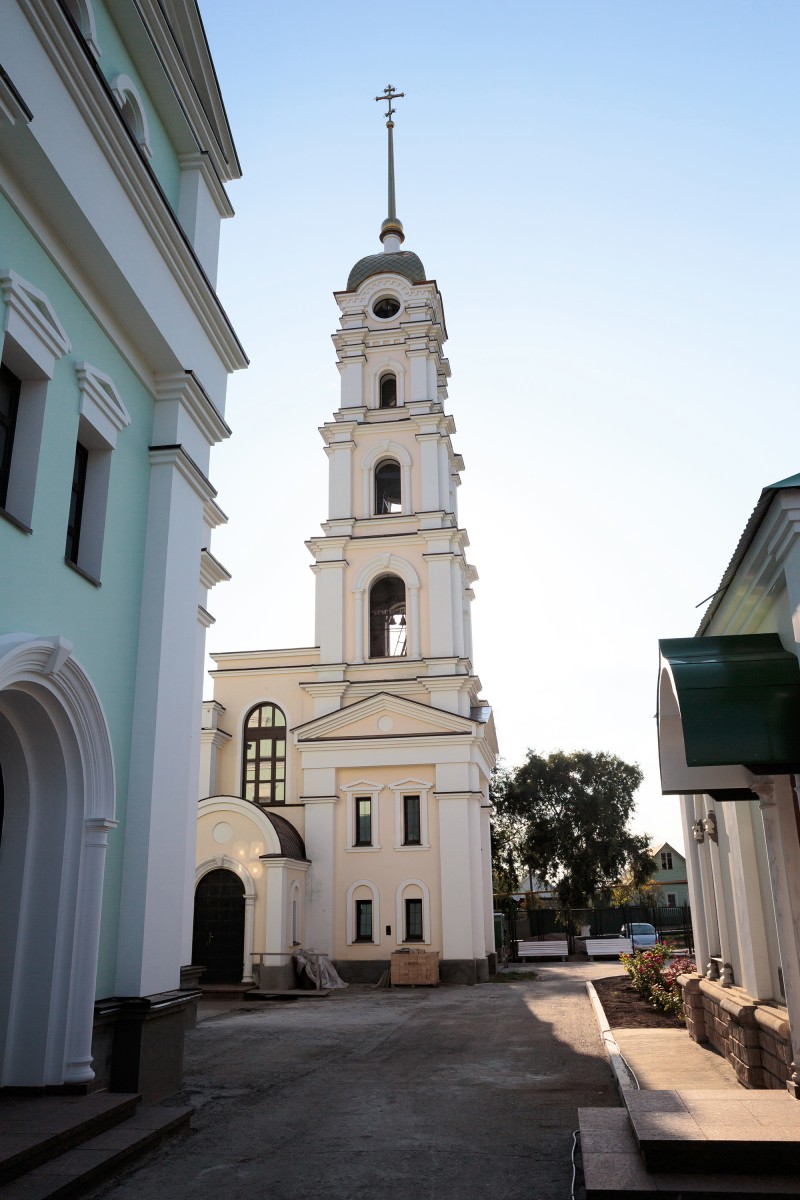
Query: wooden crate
[415, 968]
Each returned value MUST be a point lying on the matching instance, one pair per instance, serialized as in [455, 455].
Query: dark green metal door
[218, 941]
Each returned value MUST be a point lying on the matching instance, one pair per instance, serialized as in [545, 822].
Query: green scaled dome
[401, 262]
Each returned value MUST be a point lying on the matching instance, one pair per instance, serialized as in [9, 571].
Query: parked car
[641, 934]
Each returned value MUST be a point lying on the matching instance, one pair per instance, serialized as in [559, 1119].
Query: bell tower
[394, 587]
[370, 752]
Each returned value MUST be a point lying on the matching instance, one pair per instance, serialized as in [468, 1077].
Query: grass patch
[512, 976]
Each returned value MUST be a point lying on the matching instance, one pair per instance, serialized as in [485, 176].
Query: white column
[440, 606]
[429, 470]
[486, 868]
[359, 603]
[414, 617]
[340, 484]
[694, 872]
[321, 849]
[329, 610]
[778, 808]
[456, 867]
[276, 894]
[80, 1021]
[751, 932]
[161, 809]
[713, 825]
[249, 938]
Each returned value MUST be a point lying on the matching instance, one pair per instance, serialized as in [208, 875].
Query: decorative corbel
[710, 826]
[698, 831]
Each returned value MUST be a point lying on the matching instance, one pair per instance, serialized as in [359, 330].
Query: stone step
[37, 1128]
[613, 1166]
[742, 1132]
[94, 1159]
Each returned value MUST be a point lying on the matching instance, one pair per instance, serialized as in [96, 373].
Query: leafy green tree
[565, 817]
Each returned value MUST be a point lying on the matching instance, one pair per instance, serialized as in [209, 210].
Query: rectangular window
[9, 406]
[363, 920]
[363, 822]
[666, 860]
[411, 822]
[413, 920]
[76, 500]
[672, 900]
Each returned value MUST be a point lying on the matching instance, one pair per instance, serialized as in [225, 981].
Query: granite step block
[95, 1159]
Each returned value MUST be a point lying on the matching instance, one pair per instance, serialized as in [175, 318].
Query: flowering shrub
[655, 977]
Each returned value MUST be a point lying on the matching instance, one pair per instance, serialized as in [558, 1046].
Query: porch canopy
[728, 709]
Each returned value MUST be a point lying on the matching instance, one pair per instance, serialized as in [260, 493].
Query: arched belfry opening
[387, 487]
[387, 618]
[387, 390]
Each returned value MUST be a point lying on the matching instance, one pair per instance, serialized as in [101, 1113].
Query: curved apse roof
[291, 843]
[401, 262]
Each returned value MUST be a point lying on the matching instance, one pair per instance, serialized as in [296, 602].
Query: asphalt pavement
[406, 1094]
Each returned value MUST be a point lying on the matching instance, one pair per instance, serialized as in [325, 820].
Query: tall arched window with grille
[264, 755]
[387, 487]
[388, 390]
[387, 618]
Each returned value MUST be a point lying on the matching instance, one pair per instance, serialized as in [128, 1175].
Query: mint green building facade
[669, 872]
[114, 152]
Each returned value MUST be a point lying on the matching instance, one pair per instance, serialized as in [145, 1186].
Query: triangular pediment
[384, 716]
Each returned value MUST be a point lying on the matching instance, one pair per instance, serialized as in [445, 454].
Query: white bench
[607, 947]
[542, 949]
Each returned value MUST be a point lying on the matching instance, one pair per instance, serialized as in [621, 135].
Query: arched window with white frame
[264, 755]
[387, 617]
[387, 390]
[413, 915]
[133, 111]
[388, 491]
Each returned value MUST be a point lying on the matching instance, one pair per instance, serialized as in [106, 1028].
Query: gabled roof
[749, 532]
[363, 719]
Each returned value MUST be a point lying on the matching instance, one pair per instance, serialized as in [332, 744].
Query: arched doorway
[58, 794]
[218, 937]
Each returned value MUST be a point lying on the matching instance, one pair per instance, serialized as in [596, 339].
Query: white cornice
[83, 81]
[12, 105]
[176, 456]
[200, 160]
[440, 721]
[185, 388]
[211, 569]
[213, 514]
[204, 617]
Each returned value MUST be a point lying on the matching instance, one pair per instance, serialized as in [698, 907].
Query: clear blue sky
[607, 195]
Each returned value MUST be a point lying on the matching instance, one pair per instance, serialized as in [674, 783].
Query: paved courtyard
[404, 1094]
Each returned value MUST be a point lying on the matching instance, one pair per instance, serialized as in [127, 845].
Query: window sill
[360, 849]
[83, 574]
[15, 521]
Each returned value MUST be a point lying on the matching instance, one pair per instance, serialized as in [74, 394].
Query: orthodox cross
[389, 94]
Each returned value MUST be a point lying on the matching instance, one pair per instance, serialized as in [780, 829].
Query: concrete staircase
[57, 1146]
[693, 1143]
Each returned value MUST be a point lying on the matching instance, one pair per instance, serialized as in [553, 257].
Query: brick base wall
[752, 1035]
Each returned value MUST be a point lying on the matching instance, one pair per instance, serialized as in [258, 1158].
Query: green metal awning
[739, 701]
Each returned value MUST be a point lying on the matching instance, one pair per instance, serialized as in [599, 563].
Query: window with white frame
[363, 913]
[672, 900]
[102, 416]
[666, 860]
[413, 901]
[133, 111]
[33, 340]
[411, 814]
[387, 487]
[362, 816]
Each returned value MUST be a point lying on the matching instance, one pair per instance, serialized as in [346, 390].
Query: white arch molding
[225, 863]
[385, 564]
[377, 454]
[400, 915]
[58, 768]
[351, 912]
[387, 366]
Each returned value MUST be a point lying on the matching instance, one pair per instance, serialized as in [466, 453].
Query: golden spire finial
[391, 227]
